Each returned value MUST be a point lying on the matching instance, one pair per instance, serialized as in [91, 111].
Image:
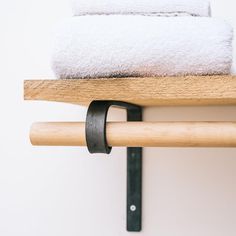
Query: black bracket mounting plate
[97, 143]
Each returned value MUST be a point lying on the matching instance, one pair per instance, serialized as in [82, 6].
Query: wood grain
[139, 134]
[159, 91]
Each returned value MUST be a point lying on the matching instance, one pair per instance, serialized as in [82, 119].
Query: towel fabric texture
[115, 45]
[142, 7]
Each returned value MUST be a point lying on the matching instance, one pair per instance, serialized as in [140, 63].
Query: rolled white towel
[144, 7]
[106, 46]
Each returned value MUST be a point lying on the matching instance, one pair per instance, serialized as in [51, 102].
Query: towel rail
[132, 94]
[139, 134]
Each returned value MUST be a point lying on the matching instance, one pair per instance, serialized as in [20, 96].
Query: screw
[133, 208]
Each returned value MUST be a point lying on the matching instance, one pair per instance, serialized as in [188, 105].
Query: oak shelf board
[152, 91]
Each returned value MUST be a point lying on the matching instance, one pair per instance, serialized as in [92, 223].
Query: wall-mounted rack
[133, 93]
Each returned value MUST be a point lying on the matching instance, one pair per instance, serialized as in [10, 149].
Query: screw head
[133, 208]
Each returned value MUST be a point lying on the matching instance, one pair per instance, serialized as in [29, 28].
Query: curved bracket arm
[96, 123]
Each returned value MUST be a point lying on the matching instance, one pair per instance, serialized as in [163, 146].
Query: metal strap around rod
[97, 143]
[96, 123]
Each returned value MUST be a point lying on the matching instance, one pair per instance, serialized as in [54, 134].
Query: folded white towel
[145, 7]
[106, 46]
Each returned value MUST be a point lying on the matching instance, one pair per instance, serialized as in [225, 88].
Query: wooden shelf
[190, 90]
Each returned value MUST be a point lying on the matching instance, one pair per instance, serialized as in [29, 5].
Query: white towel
[106, 46]
[144, 7]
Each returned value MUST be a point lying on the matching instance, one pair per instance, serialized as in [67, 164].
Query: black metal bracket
[97, 143]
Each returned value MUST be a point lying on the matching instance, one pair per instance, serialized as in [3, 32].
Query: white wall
[55, 191]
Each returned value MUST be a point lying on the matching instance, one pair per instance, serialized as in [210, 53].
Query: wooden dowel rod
[139, 134]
